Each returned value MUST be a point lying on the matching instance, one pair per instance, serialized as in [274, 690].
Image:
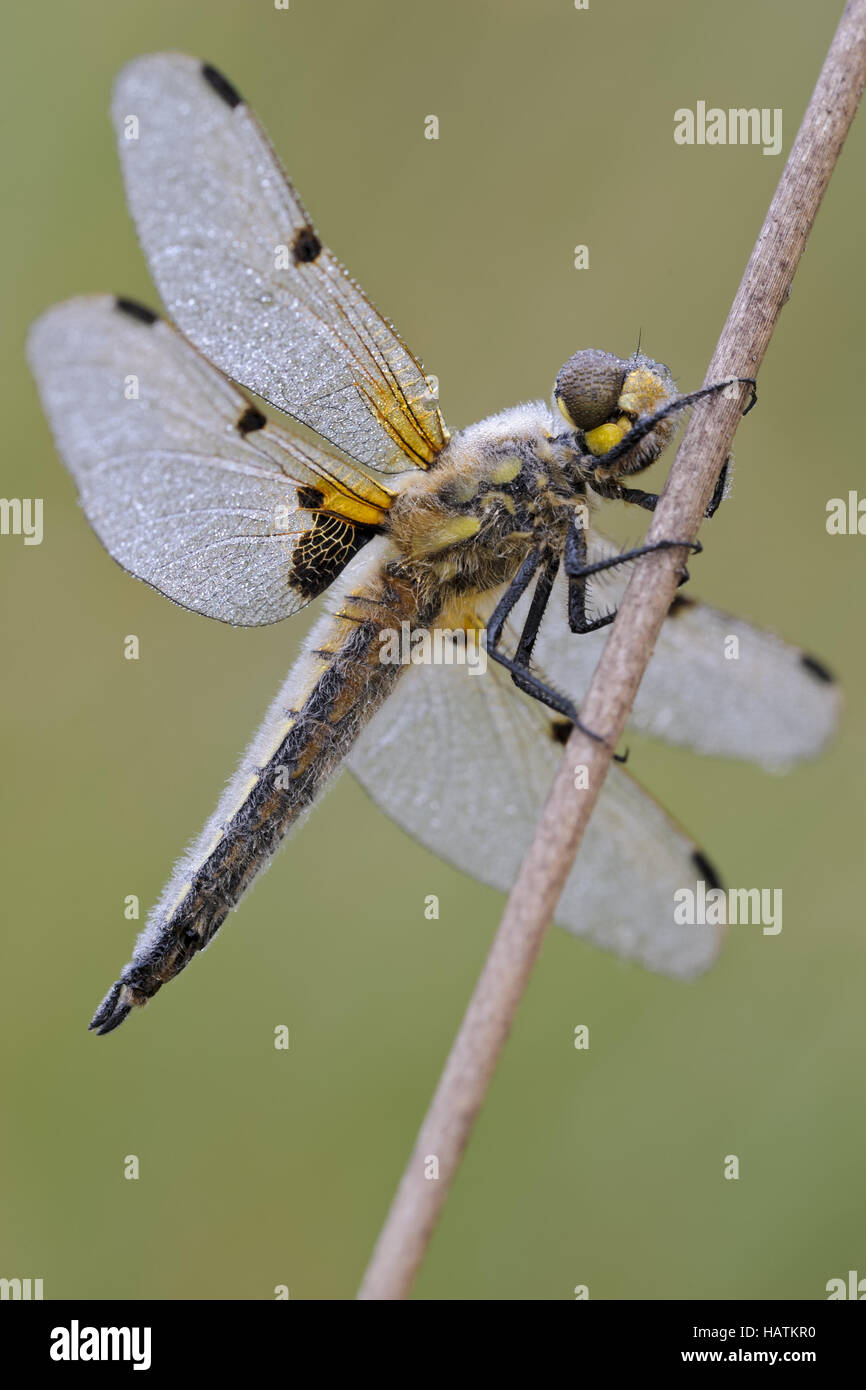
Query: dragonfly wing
[245, 276]
[464, 763]
[183, 479]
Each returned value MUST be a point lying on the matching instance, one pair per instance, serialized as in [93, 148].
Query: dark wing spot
[560, 730]
[817, 668]
[706, 870]
[251, 420]
[306, 246]
[323, 552]
[221, 85]
[310, 497]
[678, 603]
[136, 310]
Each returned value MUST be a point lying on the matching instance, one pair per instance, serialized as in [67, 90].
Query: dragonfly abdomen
[330, 694]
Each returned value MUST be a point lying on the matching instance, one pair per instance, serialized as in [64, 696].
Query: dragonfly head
[602, 396]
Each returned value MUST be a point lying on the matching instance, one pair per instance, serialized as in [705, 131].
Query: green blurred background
[603, 1167]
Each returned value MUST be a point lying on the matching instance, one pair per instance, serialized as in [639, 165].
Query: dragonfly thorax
[498, 489]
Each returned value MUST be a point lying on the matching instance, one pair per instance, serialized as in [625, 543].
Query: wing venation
[184, 480]
[244, 275]
[464, 764]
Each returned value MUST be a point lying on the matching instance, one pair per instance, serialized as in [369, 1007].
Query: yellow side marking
[464, 489]
[451, 532]
[506, 471]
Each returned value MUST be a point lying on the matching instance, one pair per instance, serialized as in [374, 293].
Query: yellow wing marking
[327, 483]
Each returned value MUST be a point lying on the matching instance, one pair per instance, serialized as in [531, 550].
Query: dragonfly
[403, 527]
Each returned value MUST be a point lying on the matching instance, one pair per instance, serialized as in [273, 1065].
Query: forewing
[183, 480]
[755, 698]
[244, 275]
[464, 763]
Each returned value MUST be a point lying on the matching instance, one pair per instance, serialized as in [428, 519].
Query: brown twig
[764, 289]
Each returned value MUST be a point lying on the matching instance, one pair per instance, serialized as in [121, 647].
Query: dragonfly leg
[524, 678]
[578, 571]
[641, 428]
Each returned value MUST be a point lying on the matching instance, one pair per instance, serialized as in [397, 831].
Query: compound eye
[588, 388]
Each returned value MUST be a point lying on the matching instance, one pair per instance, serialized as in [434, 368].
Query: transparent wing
[244, 275]
[184, 481]
[755, 698]
[464, 763]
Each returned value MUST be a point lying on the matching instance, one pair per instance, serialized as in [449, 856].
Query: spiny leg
[578, 571]
[644, 427]
[614, 560]
[718, 496]
[574, 558]
[512, 596]
[614, 490]
[649, 500]
[524, 678]
[537, 609]
[518, 665]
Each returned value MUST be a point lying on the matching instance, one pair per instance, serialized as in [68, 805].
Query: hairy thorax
[496, 490]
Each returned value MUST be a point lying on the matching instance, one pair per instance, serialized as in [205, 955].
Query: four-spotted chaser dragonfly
[226, 512]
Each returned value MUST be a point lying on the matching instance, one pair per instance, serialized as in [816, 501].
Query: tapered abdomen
[333, 690]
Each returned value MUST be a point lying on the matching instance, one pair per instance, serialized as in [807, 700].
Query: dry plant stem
[762, 293]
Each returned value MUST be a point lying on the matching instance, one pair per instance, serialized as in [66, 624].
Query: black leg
[719, 490]
[536, 610]
[617, 493]
[584, 571]
[525, 680]
[649, 500]
[513, 594]
[575, 565]
[518, 665]
[523, 677]
[578, 571]
[644, 427]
